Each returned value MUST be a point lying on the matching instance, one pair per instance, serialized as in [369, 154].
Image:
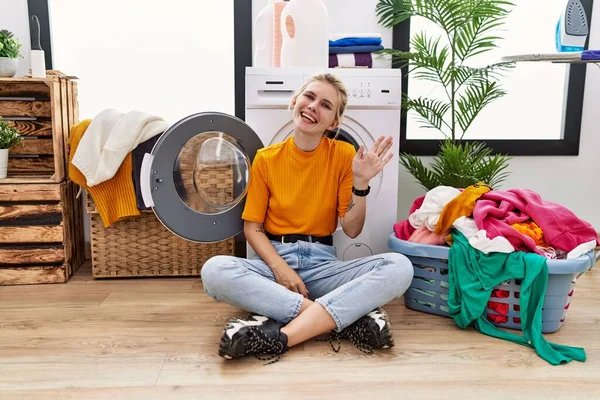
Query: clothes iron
[572, 28]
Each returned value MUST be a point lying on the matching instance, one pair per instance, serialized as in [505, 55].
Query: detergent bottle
[305, 34]
[263, 37]
[278, 7]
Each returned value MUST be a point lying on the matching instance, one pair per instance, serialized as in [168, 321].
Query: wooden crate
[43, 110]
[41, 233]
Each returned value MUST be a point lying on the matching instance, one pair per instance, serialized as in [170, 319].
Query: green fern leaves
[459, 165]
[467, 30]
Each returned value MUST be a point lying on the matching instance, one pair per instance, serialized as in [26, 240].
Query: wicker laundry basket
[141, 246]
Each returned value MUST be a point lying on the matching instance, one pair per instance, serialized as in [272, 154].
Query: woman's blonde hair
[339, 86]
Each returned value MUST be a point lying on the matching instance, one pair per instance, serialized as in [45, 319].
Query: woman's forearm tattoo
[350, 205]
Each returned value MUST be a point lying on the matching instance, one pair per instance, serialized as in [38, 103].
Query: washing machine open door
[196, 177]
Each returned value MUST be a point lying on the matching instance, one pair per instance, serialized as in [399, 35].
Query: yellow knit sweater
[114, 198]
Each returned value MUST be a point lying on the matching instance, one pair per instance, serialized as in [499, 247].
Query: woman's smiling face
[315, 109]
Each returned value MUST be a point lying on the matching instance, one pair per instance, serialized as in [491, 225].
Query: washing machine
[195, 179]
[373, 110]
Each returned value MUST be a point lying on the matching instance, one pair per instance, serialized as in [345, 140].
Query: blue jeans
[348, 290]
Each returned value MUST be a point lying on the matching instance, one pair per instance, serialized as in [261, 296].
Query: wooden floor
[158, 339]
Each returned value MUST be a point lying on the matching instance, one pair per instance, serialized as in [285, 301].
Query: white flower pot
[3, 162]
[8, 67]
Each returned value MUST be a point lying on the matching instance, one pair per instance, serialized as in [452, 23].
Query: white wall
[172, 59]
[15, 17]
[572, 181]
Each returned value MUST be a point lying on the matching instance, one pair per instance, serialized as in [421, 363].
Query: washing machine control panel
[372, 91]
[366, 87]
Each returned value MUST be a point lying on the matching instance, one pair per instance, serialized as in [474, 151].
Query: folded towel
[109, 138]
[353, 41]
[337, 36]
[354, 49]
[350, 60]
[360, 60]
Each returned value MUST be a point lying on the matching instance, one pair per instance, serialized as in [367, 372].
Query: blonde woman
[296, 288]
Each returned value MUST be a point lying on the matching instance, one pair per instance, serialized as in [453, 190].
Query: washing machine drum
[196, 177]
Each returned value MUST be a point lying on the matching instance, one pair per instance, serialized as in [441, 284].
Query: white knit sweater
[109, 138]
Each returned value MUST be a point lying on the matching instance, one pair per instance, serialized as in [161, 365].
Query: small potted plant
[9, 137]
[9, 53]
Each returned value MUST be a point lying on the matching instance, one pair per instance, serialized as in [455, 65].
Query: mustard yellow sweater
[114, 198]
[294, 191]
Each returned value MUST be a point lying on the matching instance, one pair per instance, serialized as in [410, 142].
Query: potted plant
[9, 137]
[9, 53]
[466, 31]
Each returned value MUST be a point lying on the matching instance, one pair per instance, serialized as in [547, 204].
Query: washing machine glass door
[196, 177]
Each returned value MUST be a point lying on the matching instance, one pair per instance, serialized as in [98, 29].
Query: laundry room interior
[299, 199]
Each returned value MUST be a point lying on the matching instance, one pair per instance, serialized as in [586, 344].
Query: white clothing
[434, 202]
[478, 237]
[109, 138]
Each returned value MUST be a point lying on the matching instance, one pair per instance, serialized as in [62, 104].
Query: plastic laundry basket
[429, 289]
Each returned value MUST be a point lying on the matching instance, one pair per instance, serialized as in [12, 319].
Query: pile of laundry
[497, 221]
[496, 236]
[105, 158]
[357, 50]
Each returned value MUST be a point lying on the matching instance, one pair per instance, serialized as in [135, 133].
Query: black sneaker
[373, 331]
[256, 335]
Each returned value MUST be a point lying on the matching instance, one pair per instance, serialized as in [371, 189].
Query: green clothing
[472, 277]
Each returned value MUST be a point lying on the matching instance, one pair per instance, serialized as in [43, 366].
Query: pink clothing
[425, 236]
[496, 210]
[404, 229]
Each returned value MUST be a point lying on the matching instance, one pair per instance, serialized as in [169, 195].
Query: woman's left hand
[367, 164]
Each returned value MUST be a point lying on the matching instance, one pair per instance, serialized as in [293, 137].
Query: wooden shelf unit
[41, 219]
